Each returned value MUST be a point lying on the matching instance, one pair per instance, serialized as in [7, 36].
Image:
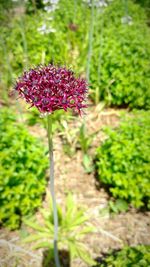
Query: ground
[113, 232]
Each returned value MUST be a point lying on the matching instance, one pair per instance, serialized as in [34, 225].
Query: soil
[113, 232]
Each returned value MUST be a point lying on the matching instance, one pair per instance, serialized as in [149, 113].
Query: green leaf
[35, 237]
[44, 244]
[35, 226]
[84, 255]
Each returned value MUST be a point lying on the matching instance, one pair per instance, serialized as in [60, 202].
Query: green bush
[128, 256]
[124, 55]
[5, 7]
[22, 171]
[146, 5]
[123, 160]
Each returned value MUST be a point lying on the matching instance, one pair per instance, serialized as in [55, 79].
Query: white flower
[54, 2]
[126, 20]
[50, 5]
[50, 8]
[101, 3]
[46, 2]
[97, 3]
[44, 29]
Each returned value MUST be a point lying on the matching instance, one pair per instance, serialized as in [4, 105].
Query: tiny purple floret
[51, 88]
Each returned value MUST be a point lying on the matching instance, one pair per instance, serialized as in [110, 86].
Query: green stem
[97, 97]
[90, 42]
[75, 10]
[24, 40]
[51, 158]
[126, 7]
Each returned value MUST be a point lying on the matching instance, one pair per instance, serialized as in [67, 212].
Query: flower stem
[91, 31]
[51, 158]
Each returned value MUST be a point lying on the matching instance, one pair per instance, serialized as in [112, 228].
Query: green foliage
[114, 207]
[73, 227]
[146, 5]
[60, 44]
[124, 62]
[22, 171]
[87, 163]
[33, 117]
[117, 206]
[85, 142]
[5, 7]
[77, 138]
[128, 256]
[119, 68]
[85, 139]
[32, 6]
[123, 160]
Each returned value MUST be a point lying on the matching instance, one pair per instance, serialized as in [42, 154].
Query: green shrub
[123, 160]
[124, 65]
[22, 171]
[128, 256]
[146, 5]
[5, 7]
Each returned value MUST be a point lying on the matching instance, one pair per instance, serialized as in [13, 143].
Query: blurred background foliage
[114, 54]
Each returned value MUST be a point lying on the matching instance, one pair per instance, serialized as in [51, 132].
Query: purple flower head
[50, 88]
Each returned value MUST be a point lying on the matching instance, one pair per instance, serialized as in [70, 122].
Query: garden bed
[114, 231]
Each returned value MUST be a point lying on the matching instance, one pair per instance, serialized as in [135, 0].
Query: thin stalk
[97, 97]
[90, 42]
[34, 5]
[43, 57]
[9, 77]
[55, 215]
[126, 7]
[7, 60]
[75, 10]
[24, 40]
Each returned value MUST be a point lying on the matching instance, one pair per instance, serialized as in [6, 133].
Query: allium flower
[50, 88]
